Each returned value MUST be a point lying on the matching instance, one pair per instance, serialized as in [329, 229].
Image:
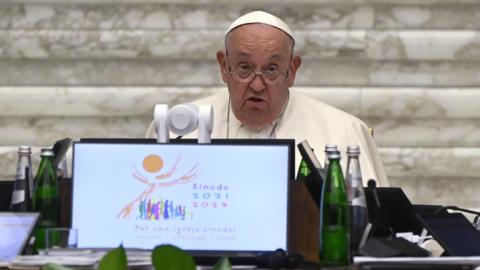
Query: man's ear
[296, 62]
[222, 62]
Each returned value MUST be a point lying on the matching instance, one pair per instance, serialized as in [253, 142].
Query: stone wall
[409, 68]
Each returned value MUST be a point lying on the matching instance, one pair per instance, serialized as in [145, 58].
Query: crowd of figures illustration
[151, 209]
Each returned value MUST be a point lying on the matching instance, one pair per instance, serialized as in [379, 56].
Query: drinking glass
[60, 238]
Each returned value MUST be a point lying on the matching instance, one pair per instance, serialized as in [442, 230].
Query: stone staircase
[408, 68]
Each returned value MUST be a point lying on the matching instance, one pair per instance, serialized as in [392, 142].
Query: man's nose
[257, 84]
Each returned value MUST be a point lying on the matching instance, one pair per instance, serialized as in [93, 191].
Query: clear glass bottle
[334, 216]
[23, 187]
[46, 199]
[356, 198]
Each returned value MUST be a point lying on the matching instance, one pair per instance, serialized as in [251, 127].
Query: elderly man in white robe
[259, 67]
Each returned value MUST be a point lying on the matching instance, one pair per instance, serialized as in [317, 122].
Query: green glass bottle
[306, 177]
[303, 171]
[334, 232]
[46, 197]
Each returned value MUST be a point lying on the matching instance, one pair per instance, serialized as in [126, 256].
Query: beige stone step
[300, 15]
[373, 103]
[426, 132]
[431, 162]
[462, 192]
[424, 2]
[406, 132]
[202, 44]
[402, 117]
[39, 130]
[46, 130]
[163, 72]
[399, 132]
[93, 101]
[401, 102]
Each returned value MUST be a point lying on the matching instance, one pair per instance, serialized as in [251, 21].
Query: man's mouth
[256, 99]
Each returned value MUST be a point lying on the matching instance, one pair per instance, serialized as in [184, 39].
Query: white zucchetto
[264, 18]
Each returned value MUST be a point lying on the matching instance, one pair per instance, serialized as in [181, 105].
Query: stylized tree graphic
[154, 163]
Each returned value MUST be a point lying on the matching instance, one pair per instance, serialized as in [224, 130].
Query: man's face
[260, 48]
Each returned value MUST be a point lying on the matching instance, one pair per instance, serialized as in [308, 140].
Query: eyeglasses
[245, 74]
[270, 77]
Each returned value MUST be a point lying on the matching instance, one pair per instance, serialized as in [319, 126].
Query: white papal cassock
[304, 118]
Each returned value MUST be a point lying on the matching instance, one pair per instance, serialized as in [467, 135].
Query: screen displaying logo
[198, 197]
[151, 204]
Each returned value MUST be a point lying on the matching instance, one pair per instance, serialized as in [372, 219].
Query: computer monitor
[228, 197]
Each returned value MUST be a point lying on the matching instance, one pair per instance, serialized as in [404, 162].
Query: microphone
[372, 184]
[380, 221]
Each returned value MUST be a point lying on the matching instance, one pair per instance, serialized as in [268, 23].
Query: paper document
[474, 260]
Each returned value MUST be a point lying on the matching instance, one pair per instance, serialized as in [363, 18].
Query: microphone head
[372, 183]
[183, 119]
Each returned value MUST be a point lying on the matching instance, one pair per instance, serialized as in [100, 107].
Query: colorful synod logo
[150, 204]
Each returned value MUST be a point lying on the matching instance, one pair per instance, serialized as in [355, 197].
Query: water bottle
[334, 239]
[46, 198]
[356, 198]
[303, 171]
[23, 187]
[329, 148]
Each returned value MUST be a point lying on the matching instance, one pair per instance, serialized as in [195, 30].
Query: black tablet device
[454, 233]
[394, 214]
[314, 181]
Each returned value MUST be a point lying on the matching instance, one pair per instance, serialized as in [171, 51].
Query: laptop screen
[230, 195]
[15, 230]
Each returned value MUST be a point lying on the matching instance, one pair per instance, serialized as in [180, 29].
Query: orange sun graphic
[152, 163]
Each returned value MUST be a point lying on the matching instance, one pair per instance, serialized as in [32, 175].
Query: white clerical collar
[237, 130]
[240, 131]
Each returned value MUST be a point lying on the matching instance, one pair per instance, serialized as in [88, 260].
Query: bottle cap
[47, 152]
[24, 150]
[330, 148]
[335, 154]
[353, 150]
